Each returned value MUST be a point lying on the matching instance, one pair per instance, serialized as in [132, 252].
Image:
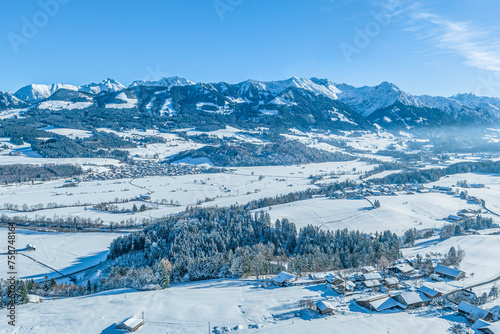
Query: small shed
[324, 307]
[448, 272]
[130, 324]
[30, 247]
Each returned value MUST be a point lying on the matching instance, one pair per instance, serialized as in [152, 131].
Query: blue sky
[425, 47]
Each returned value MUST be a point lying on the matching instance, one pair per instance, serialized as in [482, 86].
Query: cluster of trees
[413, 234]
[431, 175]
[8, 297]
[279, 152]
[459, 228]
[71, 223]
[28, 173]
[231, 242]
[452, 258]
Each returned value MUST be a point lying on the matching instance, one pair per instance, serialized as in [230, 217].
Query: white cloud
[478, 47]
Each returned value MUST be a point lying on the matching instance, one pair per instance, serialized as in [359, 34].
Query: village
[396, 288]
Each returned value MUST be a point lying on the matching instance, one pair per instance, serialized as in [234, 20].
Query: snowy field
[239, 186]
[396, 213]
[481, 258]
[70, 133]
[490, 193]
[237, 304]
[65, 252]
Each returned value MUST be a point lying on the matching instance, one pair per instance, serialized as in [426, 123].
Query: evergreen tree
[46, 285]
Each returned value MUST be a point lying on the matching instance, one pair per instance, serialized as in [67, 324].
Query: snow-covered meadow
[240, 305]
[396, 213]
[64, 252]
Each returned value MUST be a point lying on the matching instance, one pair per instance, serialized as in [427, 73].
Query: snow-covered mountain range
[316, 99]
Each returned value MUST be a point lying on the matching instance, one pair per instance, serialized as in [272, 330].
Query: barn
[431, 293]
[449, 273]
[324, 307]
[413, 299]
[380, 303]
[473, 313]
[284, 278]
[130, 324]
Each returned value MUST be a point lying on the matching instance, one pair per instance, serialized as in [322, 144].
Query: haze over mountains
[312, 100]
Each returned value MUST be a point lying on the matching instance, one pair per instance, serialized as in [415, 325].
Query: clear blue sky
[425, 47]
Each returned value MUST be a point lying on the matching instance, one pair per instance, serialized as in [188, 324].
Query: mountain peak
[37, 92]
[104, 86]
[167, 82]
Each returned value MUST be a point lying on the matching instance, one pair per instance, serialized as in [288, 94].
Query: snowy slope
[34, 92]
[366, 99]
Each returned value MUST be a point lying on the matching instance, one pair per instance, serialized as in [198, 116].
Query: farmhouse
[431, 293]
[343, 287]
[450, 273]
[324, 307]
[373, 283]
[391, 282]
[333, 279]
[130, 324]
[454, 218]
[284, 278]
[413, 299]
[367, 269]
[380, 303]
[488, 328]
[473, 313]
[372, 276]
[401, 268]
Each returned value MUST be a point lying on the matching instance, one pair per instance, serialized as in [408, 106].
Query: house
[448, 272]
[372, 276]
[435, 277]
[413, 299]
[344, 287]
[466, 295]
[130, 324]
[284, 278]
[391, 282]
[454, 218]
[444, 189]
[473, 313]
[493, 328]
[324, 307]
[333, 279]
[401, 268]
[30, 247]
[380, 303]
[373, 283]
[144, 197]
[431, 293]
[368, 269]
